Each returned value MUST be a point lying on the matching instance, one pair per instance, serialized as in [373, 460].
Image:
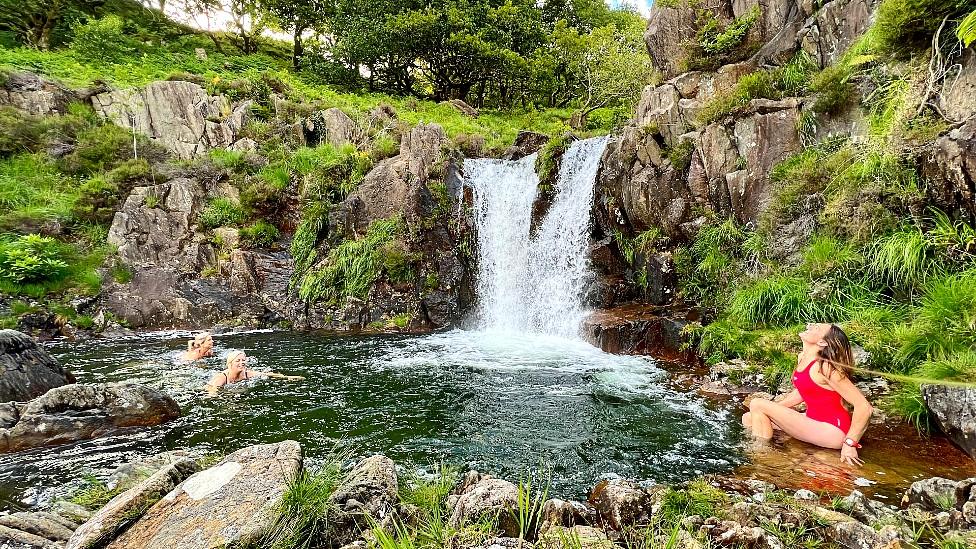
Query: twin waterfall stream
[532, 282]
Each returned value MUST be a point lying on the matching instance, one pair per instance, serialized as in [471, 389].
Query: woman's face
[815, 333]
[207, 344]
[239, 362]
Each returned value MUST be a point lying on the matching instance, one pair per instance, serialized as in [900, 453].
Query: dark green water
[501, 403]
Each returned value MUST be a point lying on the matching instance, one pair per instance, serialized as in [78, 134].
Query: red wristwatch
[852, 443]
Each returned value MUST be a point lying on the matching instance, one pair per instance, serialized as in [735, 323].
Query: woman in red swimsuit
[822, 381]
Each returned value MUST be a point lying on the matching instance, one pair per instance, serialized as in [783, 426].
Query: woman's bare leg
[794, 423]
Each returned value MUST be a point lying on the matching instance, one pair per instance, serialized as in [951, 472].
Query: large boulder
[954, 410]
[33, 94]
[26, 370]
[833, 28]
[83, 411]
[128, 506]
[229, 504]
[18, 539]
[488, 496]
[958, 97]
[181, 116]
[332, 126]
[950, 171]
[398, 185]
[155, 227]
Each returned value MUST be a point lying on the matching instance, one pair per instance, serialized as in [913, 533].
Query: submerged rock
[83, 411]
[229, 504]
[26, 371]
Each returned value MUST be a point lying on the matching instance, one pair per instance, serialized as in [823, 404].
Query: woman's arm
[791, 400]
[275, 375]
[215, 383]
[859, 419]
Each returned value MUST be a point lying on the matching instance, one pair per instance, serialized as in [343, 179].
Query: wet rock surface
[26, 371]
[954, 410]
[638, 329]
[83, 411]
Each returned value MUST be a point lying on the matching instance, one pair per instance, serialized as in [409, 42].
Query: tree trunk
[298, 52]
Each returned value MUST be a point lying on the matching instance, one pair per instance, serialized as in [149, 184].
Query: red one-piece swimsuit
[823, 404]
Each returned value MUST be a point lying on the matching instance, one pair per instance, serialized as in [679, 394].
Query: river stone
[17, 539]
[370, 487]
[621, 503]
[855, 535]
[932, 494]
[230, 504]
[72, 511]
[129, 474]
[84, 411]
[26, 369]
[37, 524]
[488, 496]
[578, 537]
[558, 512]
[954, 409]
[118, 513]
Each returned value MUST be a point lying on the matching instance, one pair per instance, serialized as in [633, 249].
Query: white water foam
[533, 282]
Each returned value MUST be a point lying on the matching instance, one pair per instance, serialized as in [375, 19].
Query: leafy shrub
[227, 159]
[307, 236]
[32, 259]
[222, 212]
[680, 154]
[793, 78]
[102, 39]
[261, 234]
[547, 161]
[717, 44]
[101, 195]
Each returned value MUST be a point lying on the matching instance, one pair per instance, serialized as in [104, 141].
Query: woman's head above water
[830, 343]
[236, 361]
[202, 341]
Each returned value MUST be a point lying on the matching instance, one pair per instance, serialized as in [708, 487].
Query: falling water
[533, 282]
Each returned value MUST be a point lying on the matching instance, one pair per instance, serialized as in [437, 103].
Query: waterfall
[533, 282]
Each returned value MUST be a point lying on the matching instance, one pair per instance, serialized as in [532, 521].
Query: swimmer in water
[201, 346]
[237, 370]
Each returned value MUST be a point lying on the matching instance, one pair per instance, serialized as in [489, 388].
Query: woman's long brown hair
[837, 355]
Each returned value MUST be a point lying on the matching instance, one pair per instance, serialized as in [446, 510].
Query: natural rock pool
[502, 403]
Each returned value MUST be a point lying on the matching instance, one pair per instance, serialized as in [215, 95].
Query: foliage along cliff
[805, 162]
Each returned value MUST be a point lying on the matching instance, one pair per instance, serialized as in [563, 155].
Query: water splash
[533, 282]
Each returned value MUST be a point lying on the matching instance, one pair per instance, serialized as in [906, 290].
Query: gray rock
[954, 410]
[398, 185]
[855, 535]
[368, 493]
[179, 115]
[331, 126]
[833, 28]
[83, 411]
[950, 171]
[26, 371]
[621, 503]
[128, 506]
[932, 494]
[578, 537]
[37, 524]
[867, 510]
[129, 474]
[35, 95]
[958, 97]
[71, 511]
[16, 539]
[558, 512]
[488, 496]
[526, 143]
[230, 504]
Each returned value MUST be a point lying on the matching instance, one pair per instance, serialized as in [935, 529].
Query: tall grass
[306, 513]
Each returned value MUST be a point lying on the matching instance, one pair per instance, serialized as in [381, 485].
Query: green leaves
[32, 259]
[967, 29]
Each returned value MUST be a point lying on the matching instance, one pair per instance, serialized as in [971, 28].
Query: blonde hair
[197, 341]
[232, 355]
